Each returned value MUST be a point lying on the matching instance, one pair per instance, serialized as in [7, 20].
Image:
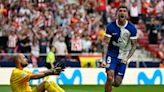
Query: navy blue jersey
[121, 36]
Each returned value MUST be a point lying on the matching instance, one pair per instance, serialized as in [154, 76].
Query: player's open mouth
[122, 16]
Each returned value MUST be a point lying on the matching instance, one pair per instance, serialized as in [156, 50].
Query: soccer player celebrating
[120, 42]
[19, 79]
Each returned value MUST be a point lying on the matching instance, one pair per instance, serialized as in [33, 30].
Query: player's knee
[110, 78]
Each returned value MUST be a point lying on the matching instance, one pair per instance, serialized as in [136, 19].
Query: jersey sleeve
[133, 33]
[108, 30]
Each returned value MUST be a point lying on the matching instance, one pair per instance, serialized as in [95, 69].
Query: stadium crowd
[72, 26]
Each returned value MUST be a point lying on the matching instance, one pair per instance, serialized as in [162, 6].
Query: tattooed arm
[132, 50]
[105, 49]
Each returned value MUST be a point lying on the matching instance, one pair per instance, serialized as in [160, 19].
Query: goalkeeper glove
[55, 71]
[60, 64]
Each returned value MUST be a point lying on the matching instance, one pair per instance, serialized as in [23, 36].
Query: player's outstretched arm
[42, 74]
[37, 75]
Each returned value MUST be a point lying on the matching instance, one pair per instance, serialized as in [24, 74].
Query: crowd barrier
[78, 60]
[94, 76]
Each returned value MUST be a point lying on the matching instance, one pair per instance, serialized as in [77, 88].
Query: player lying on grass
[20, 78]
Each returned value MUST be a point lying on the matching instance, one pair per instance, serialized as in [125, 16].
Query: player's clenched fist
[103, 64]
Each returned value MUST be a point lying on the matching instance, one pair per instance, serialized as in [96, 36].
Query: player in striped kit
[120, 44]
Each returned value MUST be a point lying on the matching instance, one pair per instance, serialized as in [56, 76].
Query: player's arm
[105, 48]
[132, 50]
[107, 38]
[37, 75]
[42, 74]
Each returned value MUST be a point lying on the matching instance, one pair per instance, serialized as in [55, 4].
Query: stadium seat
[143, 42]
[153, 48]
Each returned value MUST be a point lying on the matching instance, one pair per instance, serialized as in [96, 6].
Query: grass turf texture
[98, 88]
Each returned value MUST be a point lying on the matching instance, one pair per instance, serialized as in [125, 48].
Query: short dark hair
[121, 6]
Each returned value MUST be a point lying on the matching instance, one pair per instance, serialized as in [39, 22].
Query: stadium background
[76, 28]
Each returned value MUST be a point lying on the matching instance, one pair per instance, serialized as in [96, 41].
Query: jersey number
[109, 59]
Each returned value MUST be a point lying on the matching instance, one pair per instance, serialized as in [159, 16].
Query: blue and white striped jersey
[121, 36]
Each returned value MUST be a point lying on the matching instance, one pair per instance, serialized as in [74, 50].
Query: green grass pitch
[98, 88]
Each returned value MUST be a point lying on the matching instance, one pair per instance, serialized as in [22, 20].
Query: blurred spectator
[4, 40]
[159, 5]
[68, 42]
[43, 42]
[111, 12]
[49, 20]
[24, 43]
[3, 54]
[141, 26]
[134, 13]
[97, 45]
[60, 46]
[101, 7]
[140, 33]
[24, 10]
[162, 29]
[90, 6]
[101, 31]
[116, 3]
[76, 46]
[56, 35]
[86, 44]
[145, 6]
[35, 51]
[153, 32]
[161, 52]
[12, 40]
[43, 37]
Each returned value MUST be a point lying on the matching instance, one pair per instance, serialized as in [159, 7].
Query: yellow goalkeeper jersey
[19, 80]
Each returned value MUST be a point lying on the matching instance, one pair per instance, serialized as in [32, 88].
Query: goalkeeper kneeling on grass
[20, 78]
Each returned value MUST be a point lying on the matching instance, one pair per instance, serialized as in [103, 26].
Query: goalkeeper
[19, 79]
